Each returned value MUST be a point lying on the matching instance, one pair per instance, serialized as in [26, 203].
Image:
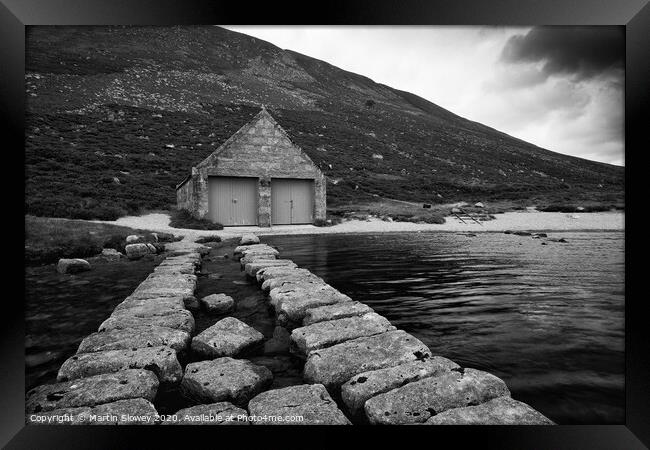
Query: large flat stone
[273, 272]
[136, 337]
[252, 268]
[160, 360]
[304, 340]
[166, 302]
[244, 249]
[250, 257]
[356, 391]
[179, 261]
[221, 413]
[168, 280]
[178, 320]
[298, 275]
[334, 365]
[218, 303]
[498, 411]
[224, 379]
[417, 401]
[335, 311]
[292, 302]
[290, 281]
[227, 337]
[94, 390]
[149, 291]
[151, 309]
[182, 268]
[310, 401]
[136, 411]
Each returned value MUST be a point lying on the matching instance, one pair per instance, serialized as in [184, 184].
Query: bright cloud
[560, 88]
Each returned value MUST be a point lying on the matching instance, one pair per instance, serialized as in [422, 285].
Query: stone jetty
[374, 372]
[357, 368]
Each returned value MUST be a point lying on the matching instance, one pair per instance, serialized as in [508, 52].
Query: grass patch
[386, 209]
[181, 218]
[48, 239]
[568, 208]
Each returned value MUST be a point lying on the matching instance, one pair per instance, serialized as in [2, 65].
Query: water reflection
[549, 319]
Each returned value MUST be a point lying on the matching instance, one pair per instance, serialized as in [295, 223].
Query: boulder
[227, 337]
[136, 337]
[218, 303]
[335, 311]
[242, 249]
[309, 401]
[224, 379]
[522, 233]
[177, 319]
[498, 411]
[416, 402]
[249, 239]
[110, 254]
[93, 390]
[335, 365]
[479, 205]
[305, 340]
[253, 267]
[136, 411]
[74, 265]
[134, 238]
[136, 251]
[356, 391]
[161, 360]
[221, 413]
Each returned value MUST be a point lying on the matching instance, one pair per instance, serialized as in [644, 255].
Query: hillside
[117, 116]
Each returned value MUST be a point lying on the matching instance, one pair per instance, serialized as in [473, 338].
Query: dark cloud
[582, 52]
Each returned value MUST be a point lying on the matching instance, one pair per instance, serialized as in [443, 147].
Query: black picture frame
[634, 15]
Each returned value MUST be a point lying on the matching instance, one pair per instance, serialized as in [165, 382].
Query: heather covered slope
[116, 117]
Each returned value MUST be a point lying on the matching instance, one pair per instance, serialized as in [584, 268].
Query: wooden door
[233, 200]
[292, 201]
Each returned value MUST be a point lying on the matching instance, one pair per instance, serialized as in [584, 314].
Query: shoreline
[514, 221]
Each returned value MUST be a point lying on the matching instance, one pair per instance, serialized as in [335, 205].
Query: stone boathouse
[257, 177]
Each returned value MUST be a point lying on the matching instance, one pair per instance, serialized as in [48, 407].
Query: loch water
[548, 319]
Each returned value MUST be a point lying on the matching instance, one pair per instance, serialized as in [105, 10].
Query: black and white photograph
[332, 225]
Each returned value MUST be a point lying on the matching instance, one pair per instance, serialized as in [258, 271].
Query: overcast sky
[558, 87]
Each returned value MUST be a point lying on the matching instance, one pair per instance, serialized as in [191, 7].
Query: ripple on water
[547, 319]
